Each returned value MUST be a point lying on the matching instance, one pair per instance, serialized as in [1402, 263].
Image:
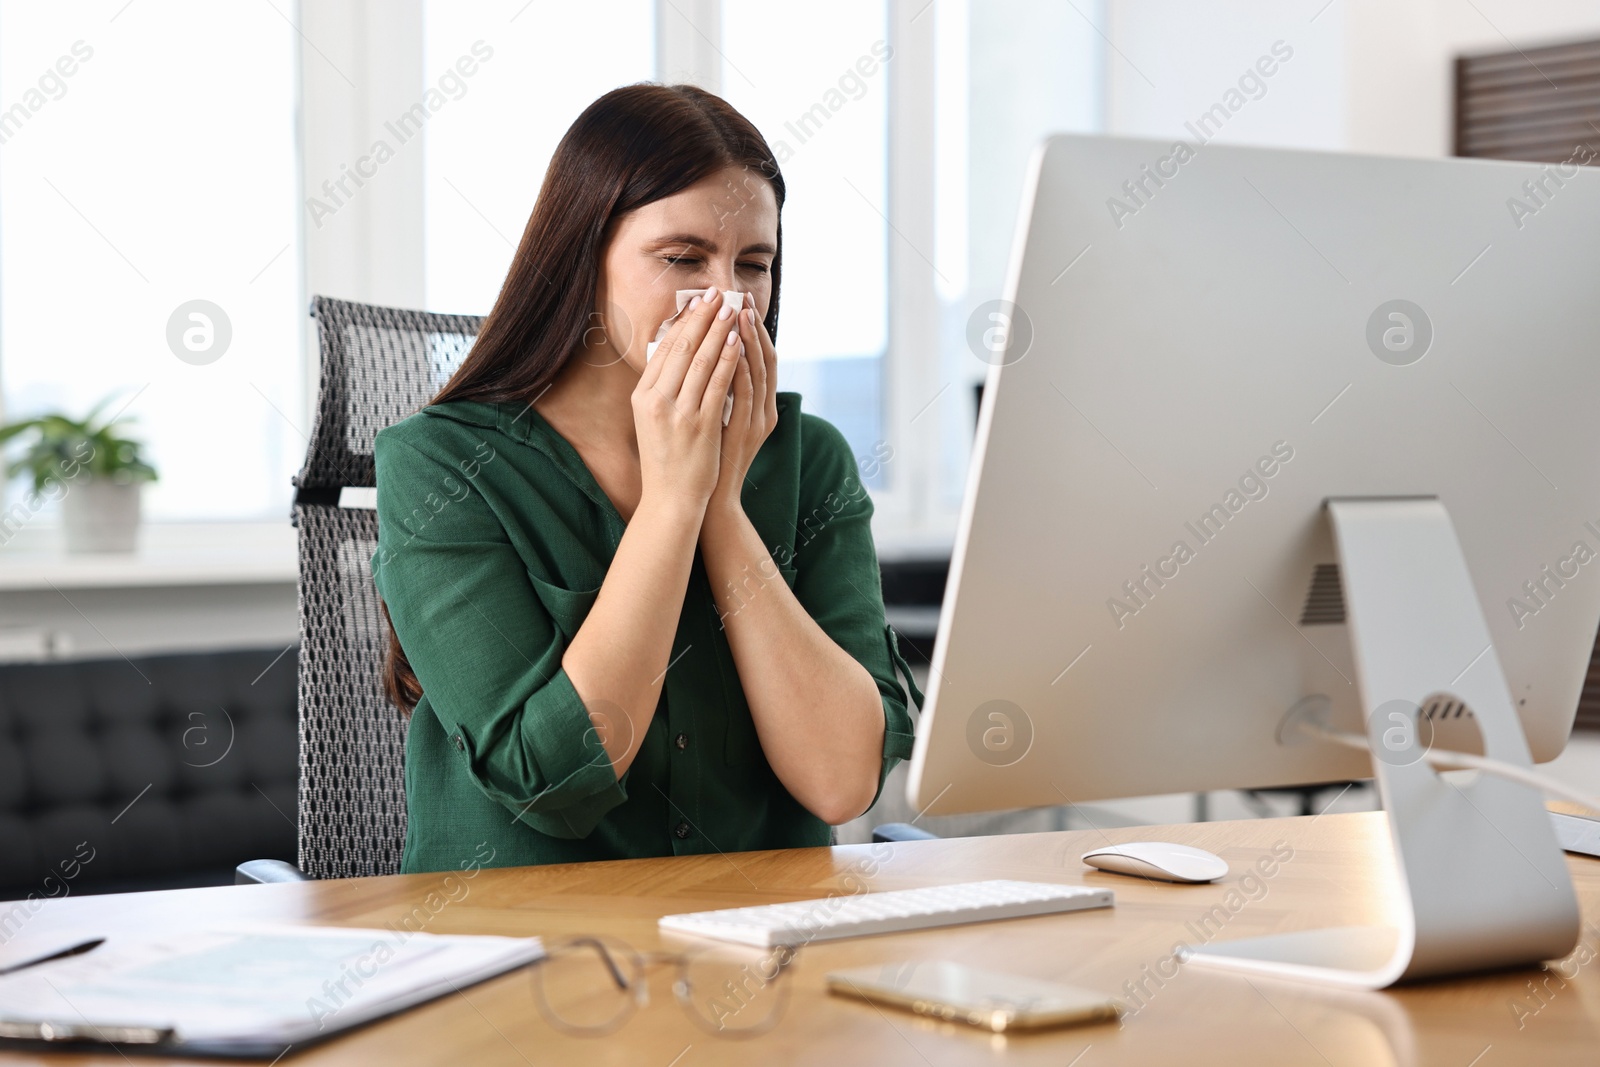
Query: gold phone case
[953, 993]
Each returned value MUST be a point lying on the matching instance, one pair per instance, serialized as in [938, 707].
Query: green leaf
[64, 448]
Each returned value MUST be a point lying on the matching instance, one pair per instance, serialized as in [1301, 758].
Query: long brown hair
[632, 146]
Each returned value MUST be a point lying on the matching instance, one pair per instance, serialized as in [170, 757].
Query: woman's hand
[755, 413]
[677, 405]
[817, 711]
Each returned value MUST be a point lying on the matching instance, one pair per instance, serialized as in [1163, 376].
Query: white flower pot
[101, 516]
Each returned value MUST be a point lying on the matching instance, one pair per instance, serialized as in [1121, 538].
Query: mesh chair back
[378, 366]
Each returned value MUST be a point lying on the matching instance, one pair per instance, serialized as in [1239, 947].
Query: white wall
[1170, 61]
[1365, 75]
[1399, 65]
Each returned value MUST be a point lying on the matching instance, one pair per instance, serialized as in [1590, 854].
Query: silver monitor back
[1200, 345]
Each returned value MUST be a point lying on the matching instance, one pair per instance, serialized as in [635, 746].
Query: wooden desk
[1338, 874]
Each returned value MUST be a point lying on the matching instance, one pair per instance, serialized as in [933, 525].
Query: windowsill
[899, 542]
[247, 553]
[169, 554]
[914, 548]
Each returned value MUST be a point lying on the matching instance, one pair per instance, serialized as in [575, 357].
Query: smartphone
[997, 1002]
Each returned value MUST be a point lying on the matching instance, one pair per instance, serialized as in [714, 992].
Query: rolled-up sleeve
[483, 645]
[836, 576]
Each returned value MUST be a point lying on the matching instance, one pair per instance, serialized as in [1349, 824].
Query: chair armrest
[260, 872]
[901, 831]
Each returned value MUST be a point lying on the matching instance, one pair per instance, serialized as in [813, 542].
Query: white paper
[731, 299]
[248, 985]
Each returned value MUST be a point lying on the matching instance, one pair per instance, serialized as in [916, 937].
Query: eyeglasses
[589, 986]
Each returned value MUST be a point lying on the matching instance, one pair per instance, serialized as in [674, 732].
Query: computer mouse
[1158, 859]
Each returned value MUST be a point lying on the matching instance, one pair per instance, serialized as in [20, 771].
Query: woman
[622, 627]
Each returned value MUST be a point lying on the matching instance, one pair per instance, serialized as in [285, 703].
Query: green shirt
[493, 541]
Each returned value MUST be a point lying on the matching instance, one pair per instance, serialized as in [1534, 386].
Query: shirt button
[461, 746]
[682, 831]
[682, 741]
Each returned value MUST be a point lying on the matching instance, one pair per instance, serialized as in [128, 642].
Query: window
[814, 83]
[1027, 68]
[147, 160]
[120, 198]
[486, 151]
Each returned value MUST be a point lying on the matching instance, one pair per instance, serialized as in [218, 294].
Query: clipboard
[246, 992]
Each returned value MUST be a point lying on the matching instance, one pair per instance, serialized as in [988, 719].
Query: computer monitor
[1269, 430]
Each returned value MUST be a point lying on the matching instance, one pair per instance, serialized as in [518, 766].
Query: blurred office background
[155, 153]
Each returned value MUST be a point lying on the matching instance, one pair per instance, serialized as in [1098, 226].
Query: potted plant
[91, 468]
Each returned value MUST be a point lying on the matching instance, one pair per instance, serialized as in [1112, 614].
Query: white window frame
[360, 63]
[911, 520]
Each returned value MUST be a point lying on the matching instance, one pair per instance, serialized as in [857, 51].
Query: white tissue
[731, 299]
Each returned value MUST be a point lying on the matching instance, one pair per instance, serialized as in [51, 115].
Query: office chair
[378, 366]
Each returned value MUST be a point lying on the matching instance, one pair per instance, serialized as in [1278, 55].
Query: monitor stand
[1483, 883]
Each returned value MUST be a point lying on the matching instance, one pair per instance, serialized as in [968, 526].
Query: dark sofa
[156, 772]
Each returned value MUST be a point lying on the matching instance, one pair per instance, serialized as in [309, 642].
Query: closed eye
[695, 261]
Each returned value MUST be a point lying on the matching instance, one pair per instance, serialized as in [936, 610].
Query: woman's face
[721, 231]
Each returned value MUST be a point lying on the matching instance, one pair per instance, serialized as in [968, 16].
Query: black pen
[76, 949]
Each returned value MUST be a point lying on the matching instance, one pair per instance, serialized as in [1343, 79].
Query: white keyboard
[892, 912]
